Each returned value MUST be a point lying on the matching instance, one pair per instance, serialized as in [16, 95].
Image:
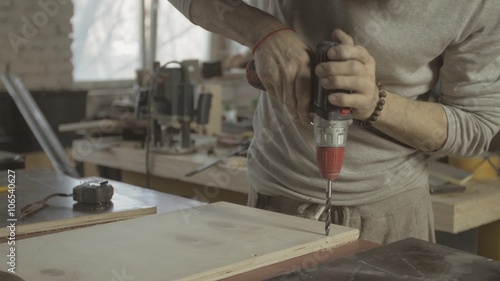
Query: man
[407, 47]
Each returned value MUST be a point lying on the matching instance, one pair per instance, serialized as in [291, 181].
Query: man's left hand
[352, 68]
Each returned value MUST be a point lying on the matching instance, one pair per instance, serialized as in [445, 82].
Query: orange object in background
[481, 167]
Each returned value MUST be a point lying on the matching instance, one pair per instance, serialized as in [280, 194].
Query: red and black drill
[330, 125]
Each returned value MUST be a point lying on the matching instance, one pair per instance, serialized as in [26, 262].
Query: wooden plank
[448, 172]
[104, 125]
[478, 205]
[185, 189]
[206, 243]
[306, 262]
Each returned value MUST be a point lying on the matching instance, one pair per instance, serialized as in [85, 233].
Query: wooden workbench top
[478, 205]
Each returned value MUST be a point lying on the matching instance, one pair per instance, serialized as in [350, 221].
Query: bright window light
[178, 38]
[105, 40]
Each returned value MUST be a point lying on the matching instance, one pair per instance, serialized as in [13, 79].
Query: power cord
[39, 205]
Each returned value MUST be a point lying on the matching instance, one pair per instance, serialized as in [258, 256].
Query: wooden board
[62, 212]
[206, 243]
[448, 172]
[478, 205]
[104, 125]
[409, 259]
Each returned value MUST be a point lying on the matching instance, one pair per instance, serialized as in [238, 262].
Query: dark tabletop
[406, 260]
[34, 185]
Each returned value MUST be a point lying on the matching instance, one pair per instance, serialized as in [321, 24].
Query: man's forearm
[422, 125]
[233, 19]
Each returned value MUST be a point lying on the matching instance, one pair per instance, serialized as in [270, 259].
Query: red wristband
[267, 36]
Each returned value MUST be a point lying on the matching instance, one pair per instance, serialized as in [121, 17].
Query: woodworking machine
[170, 101]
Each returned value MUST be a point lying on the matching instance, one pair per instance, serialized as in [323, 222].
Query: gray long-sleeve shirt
[415, 44]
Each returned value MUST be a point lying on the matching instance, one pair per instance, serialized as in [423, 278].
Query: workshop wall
[36, 42]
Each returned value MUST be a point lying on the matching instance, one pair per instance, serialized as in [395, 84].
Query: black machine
[172, 109]
[93, 192]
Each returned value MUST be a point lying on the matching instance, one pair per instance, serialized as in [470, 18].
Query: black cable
[39, 205]
[149, 127]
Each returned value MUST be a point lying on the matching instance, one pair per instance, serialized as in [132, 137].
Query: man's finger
[289, 99]
[350, 83]
[342, 37]
[348, 52]
[303, 94]
[346, 100]
[348, 67]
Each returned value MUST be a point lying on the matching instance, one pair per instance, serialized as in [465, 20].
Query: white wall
[35, 42]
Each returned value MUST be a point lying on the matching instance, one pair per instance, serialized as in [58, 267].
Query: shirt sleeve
[470, 86]
[182, 6]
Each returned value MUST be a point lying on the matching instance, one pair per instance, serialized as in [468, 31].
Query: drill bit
[328, 207]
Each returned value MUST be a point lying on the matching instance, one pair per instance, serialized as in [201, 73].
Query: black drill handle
[320, 104]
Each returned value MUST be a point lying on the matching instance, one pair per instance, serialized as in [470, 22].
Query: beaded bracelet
[267, 36]
[380, 105]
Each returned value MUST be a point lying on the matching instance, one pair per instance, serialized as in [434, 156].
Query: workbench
[403, 260]
[62, 213]
[219, 183]
[477, 207]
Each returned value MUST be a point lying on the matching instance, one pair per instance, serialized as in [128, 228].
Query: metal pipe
[142, 33]
[153, 29]
[38, 124]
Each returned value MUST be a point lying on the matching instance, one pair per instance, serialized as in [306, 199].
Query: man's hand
[283, 66]
[352, 68]
[422, 125]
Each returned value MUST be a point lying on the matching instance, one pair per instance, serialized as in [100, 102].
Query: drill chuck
[330, 137]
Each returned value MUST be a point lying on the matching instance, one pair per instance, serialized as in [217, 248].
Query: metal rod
[38, 125]
[153, 28]
[328, 207]
[142, 33]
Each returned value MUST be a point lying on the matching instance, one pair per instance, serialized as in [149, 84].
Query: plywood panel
[478, 205]
[205, 243]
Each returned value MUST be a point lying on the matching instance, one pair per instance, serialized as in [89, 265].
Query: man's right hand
[283, 64]
[282, 60]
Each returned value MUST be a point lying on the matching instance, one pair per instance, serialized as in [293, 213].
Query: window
[178, 38]
[106, 38]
